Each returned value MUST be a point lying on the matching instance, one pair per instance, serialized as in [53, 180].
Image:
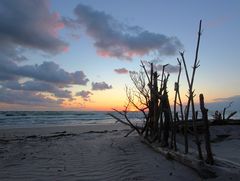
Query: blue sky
[71, 36]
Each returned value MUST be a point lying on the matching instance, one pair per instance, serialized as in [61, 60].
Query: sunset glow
[77, 55]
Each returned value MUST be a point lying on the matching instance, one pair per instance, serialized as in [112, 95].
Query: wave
[25, 119]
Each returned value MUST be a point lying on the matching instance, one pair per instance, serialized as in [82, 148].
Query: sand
[226, 142]
[89, 152]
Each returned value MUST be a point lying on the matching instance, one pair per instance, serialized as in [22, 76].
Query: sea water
[29, 119]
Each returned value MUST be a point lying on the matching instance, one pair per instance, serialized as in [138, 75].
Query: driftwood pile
[161, 121]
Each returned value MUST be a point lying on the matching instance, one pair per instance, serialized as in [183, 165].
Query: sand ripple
[93, 156]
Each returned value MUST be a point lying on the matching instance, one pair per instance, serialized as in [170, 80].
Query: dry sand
[94, 152]
[226, 142]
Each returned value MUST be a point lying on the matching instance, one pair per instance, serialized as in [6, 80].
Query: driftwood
[200, 124]
[150, 97]
[191, 93]
[134, 127]
[231, 115]
[187, 107]
[124, 113]
[218, 116]
[205, 171]
[175, 114]
[206, 131]
[225, 122]
[224, 110]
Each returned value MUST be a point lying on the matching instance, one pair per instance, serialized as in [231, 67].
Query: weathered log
[221, 169]
[206, 132]
[160, 107]
[167, 113]
[225, 122]
[205, 171]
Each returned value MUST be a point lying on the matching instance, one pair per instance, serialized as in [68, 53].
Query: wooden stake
[206, 131]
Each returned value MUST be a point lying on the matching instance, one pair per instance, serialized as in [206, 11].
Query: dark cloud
[51, 72]
[121, 71]
[63, 94]
[14, 85]
[7, 69]
[37, 86]
[47, 77]
[159, 67]
[30, 24]
[27, 98]
[169, 68]
[115, 39]
[133, 72]
[100, 86]
[84, 94]
[47, 71]
[228, 99]
[8, 50]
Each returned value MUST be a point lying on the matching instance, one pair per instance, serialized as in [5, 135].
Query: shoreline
[72, 129]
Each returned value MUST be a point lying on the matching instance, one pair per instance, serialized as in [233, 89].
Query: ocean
[31, 119]
[34, 119]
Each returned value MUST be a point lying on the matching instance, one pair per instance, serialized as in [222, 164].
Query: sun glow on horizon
[78, 55]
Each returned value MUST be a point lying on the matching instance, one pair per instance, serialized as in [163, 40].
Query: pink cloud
[119, 40]
[31, 24]
[121, 71]
[57, 24]
[104, 53]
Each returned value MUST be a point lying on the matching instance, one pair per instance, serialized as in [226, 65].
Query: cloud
[219, 21]
[100, 86]
[133, 72]
[121, 71]
[228, 99]
[169, 68]
[159, 67]
[47, 71]
[84, 94]
[115, 39]
[221, 103]
[37, 86]
[7, 68]
[27, 98]
[30, 24]
[46, 77]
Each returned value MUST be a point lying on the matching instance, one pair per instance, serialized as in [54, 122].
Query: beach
[88, 152]
[113, 91]
[83, 153]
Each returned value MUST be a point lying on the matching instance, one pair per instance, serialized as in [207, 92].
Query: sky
[77, 55]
